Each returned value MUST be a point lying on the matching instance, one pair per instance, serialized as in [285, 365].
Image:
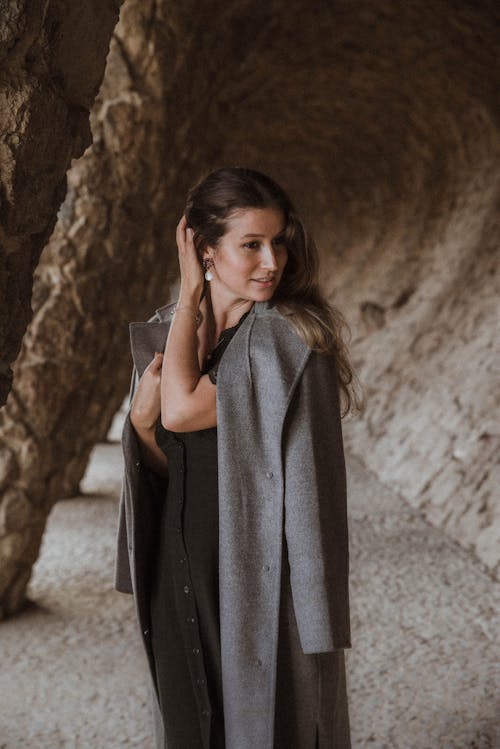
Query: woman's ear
[207, 253]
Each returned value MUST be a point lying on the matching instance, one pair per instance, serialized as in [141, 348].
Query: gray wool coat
[281, 468]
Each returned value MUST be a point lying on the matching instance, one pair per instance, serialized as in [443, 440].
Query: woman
[233, 529]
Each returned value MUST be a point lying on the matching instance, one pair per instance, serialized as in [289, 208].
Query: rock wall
[385, 128]
[73, 367]
[52, 56]
[110, 259]
[380, 120]
[429, 363]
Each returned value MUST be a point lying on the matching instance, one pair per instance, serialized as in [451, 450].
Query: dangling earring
[208, 273]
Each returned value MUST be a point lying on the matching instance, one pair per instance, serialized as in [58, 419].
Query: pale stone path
[422, 671]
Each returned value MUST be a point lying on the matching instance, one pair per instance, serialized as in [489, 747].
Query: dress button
[186, 589]
[190, 619]
[196, 651]
[200, 681]
[138, 463]
[269, 474]
[178, 529]
[205, 712]
[182, 560]
[146, 632]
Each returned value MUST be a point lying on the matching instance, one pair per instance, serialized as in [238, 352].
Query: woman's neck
[219, 315]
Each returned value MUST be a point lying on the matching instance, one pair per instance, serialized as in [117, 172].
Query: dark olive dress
[185, 631]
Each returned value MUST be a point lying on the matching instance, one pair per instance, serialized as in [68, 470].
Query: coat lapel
[145, 339]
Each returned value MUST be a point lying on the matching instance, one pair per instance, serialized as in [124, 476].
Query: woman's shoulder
[275, 328]
[275, 337]
[163, 313]
[276, 352]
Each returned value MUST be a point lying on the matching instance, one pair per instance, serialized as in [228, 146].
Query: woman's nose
[268, 259]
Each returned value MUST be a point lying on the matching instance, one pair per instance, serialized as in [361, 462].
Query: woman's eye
[254, 245]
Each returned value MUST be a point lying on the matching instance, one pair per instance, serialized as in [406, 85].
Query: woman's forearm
[180, 369]
[151, 453]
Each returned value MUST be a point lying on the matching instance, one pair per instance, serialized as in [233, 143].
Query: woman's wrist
[194, 314]
[188, 303]
[190, 297]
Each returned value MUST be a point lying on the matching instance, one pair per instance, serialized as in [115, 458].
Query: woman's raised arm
[188, 398]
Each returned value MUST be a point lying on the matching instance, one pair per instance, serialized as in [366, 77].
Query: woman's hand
[146, 405]
[191, 269]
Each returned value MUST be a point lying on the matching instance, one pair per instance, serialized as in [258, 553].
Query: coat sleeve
[122, 576]
[315, 503]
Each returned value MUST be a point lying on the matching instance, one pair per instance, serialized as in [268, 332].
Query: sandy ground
[422, 672]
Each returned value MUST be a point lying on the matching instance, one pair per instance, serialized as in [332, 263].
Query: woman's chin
[263, 290]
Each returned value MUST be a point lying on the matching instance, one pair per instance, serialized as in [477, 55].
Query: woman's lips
[269, 282]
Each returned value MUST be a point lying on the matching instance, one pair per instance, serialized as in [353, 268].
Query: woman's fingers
[190, 265]
[180, 233]
[184, 233]
[158, 360]
[146, 403]
[156, 363]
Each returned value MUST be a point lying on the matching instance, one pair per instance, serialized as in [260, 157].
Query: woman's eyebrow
[263, 235]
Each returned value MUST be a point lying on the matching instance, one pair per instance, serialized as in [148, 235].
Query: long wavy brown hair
[212, 202]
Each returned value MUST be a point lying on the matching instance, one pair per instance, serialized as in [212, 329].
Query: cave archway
[381, 122]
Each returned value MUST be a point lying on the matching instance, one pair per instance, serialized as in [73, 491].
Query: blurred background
[382, 121]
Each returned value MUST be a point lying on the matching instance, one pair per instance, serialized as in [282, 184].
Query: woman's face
[250, 257]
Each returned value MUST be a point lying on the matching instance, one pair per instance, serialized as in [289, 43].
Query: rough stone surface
[431, 376]
[52, 57]
[73, 366]
[423, 672]
[384, 128]
[394, 157]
